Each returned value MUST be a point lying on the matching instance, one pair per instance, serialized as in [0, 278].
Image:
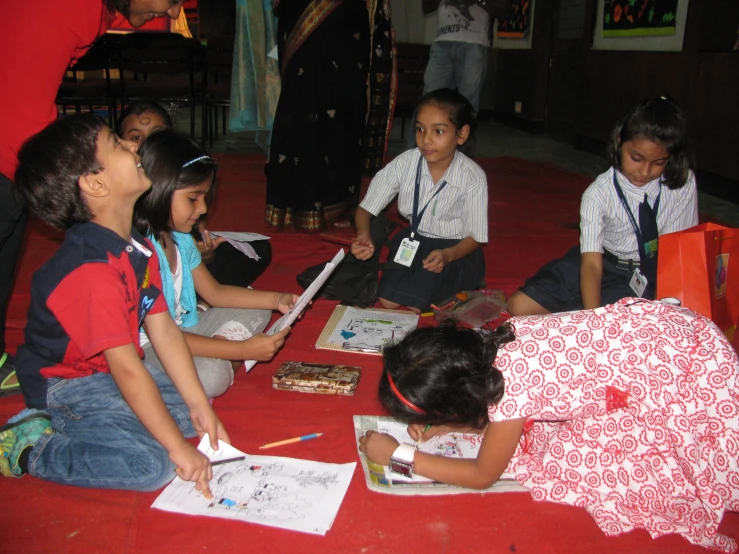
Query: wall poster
[640, 25]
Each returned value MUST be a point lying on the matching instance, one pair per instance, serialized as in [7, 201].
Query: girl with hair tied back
[629, 411]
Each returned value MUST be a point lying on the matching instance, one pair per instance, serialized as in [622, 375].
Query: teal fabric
[255, 85]
[190, 256]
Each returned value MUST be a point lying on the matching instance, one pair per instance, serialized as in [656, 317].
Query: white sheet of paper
[371, 330]
[240, 241]
[273, 53]
[299, 495]
[305, 298]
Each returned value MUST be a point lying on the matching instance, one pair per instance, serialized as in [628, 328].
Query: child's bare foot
[394, 305]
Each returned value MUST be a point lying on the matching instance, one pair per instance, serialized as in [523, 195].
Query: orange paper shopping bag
[700, 267]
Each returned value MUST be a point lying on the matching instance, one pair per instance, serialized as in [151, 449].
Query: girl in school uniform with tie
[649, 191]
[444, 195]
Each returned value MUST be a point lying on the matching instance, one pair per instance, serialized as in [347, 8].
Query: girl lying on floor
[629, 410]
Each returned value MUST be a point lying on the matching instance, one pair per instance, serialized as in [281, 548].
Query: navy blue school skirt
[416, 287]
[556, 286]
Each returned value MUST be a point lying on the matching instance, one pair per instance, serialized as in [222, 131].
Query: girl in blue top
[182, 176]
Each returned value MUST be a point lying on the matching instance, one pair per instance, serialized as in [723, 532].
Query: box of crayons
[317, 378]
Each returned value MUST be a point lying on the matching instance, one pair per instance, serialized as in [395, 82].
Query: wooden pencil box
[317, 378]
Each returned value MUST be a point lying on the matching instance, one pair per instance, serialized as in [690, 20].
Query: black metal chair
[87, 82]
[165, 67]
[219, 57]
[412, 60]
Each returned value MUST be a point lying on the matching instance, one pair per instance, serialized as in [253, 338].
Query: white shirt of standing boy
[459, 22]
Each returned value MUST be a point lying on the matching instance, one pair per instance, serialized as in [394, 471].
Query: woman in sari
[319, 148]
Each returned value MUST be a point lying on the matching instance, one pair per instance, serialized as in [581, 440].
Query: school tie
[649, 232]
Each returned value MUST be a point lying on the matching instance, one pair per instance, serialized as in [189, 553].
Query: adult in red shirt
[38, 41]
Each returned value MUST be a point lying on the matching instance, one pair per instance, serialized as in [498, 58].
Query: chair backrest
[143, 58]
[95, 59]
[411, 60]
[219, 55]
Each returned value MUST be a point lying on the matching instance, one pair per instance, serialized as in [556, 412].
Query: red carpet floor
[533, 217]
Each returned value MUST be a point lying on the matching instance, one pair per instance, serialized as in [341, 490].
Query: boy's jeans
[99, 442]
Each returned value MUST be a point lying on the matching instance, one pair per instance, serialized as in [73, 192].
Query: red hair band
[402, 398]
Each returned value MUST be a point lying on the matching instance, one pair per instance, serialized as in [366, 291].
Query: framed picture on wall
[515, 32]
[655, 25]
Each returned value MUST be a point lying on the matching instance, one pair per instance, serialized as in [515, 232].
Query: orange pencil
[289, 441]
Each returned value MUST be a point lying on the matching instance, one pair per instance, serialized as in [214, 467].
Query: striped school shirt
[604, 223]
[459, 211]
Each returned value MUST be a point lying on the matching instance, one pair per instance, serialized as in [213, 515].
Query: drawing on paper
[371, 330]
[281, 492]
[268, 499]
[452, 445]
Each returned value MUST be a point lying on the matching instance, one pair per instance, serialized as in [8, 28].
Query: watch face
[401, 468]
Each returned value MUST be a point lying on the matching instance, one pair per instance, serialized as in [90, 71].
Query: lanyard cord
[416, 217]
[637, 231]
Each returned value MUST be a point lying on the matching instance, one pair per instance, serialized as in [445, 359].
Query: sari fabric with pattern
[318, 148]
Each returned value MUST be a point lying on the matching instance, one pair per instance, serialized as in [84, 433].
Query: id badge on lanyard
[648, 249]
[409, 246]
[406, 252]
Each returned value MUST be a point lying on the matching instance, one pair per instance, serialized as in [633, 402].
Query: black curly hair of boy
[446, 371]
[50, 164]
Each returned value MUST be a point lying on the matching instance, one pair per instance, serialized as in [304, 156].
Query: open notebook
[365, 331]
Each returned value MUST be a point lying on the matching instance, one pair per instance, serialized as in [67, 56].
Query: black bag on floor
[354, 282]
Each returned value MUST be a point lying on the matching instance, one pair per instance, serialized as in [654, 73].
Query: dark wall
[577, 94]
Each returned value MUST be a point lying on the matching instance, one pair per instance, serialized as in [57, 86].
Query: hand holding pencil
[193, 465]
[362, 246]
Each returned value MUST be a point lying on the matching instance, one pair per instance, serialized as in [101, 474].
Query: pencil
[427, 314]
[228, 461]
[217, 462]
[418, 442]
[289, 441]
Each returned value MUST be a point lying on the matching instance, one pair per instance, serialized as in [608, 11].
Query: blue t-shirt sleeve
[188, 251]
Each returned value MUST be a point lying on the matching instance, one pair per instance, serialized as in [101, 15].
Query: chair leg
[212, 126]
[204, 124]
[192, 120]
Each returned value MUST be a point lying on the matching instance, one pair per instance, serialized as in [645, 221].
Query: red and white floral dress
[632, 413]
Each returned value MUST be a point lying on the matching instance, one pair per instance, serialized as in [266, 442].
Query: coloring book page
[454, 445]
[299, 495]
[371, 330]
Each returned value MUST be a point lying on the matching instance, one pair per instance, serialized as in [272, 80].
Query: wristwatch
[401, 462]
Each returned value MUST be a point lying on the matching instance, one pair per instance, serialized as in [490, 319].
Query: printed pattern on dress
[632, 413]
